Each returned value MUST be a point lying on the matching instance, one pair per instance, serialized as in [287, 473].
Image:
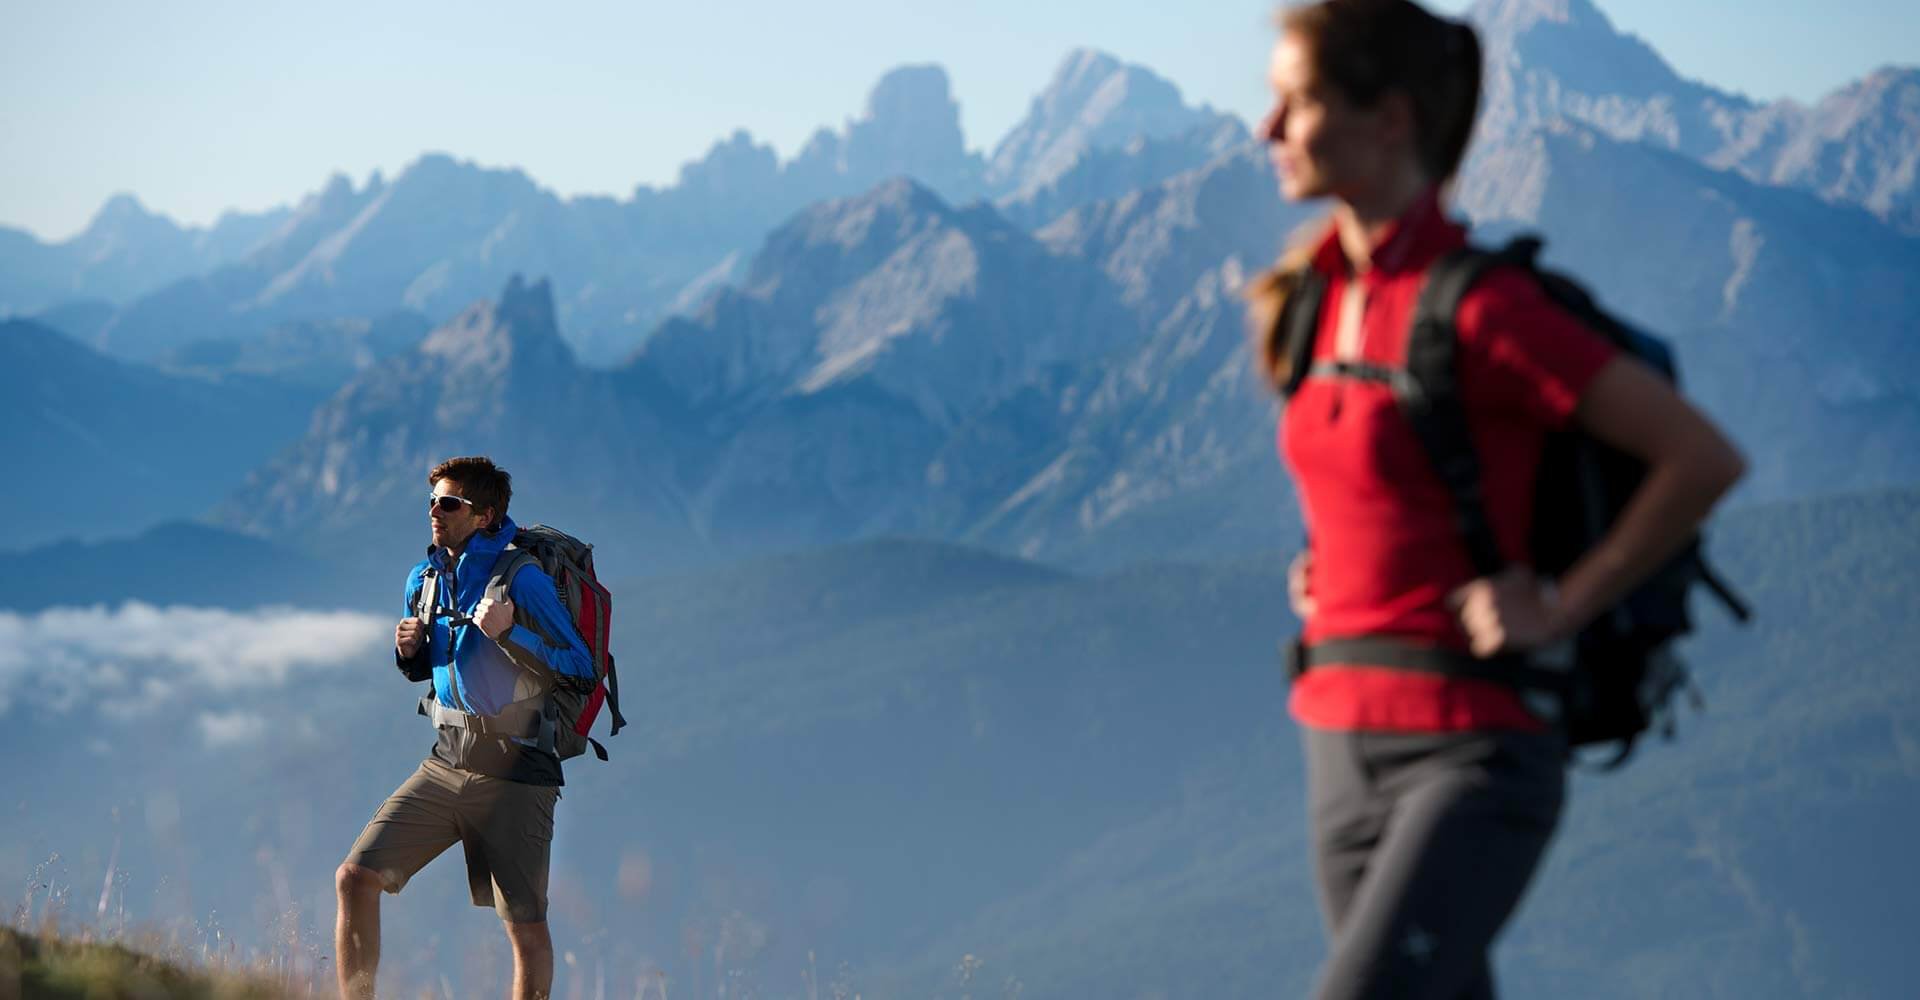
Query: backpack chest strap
[1359, 371]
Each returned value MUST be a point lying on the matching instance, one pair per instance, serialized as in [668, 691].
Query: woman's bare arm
[1690, 466]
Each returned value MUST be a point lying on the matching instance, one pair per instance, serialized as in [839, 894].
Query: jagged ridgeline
[1037, 347]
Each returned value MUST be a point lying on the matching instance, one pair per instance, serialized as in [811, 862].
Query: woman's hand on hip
[1299, 586]
[1509, 613]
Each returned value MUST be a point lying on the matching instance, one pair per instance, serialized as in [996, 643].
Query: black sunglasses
[447, 502]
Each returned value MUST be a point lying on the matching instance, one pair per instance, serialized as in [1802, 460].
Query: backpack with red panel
[574, 703]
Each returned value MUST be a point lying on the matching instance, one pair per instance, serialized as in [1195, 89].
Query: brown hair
[481, 481]
[1367, 49]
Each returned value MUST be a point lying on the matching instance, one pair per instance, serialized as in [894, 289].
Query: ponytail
[1267, 295]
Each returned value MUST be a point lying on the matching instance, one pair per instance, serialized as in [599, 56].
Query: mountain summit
[496, 380]
[1093, 102]
[944, 307]
[911, 128]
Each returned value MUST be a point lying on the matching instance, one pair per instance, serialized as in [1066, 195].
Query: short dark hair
[481, 481]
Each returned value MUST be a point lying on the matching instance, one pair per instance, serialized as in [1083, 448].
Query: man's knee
[528, 937]
[351, 880]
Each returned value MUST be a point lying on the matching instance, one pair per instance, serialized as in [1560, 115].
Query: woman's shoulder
[1507, 292]
[1515, 341]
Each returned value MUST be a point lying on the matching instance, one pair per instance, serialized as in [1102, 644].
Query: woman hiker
[1432, 796]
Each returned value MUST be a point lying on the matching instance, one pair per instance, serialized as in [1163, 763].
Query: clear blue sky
[198, 106]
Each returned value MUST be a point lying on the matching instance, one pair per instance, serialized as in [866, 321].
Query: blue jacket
[470, 671]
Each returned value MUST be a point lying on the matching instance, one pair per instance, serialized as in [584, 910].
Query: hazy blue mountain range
[124, 252]
[894, 754]
[1790, 315]
[1550, 60]
[498, 379]
[889, 363]
[806, 404]
[179, 562]
[1094, 103]
[893, 360]
[324, 354]
[100, 447]
[445, 232]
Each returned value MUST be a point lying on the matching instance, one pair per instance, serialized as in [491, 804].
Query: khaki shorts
[505, 826]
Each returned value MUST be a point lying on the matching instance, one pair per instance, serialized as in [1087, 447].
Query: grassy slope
[51, 967]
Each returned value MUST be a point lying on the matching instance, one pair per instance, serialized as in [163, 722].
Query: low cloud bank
[138, 657]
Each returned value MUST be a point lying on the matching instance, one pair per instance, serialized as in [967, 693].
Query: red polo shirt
[1386, 551]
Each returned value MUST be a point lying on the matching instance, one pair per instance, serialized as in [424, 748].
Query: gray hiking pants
[1423, 846]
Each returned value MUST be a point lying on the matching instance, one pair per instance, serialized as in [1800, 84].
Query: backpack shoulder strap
[1430, 394]
[428, 595]
[1298, 325]
[512, 560]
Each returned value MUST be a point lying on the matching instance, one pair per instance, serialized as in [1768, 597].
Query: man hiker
[493, 776]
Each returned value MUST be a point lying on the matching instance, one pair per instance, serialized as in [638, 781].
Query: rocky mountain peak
[516, 331]
[120, 208]
[525, 306]
[730, 166]
[909, 92]
[1861, 145]
[122, 224]
[1554, 59]
[911, 126]
[1891, 91]
[1094, 101]
[853, 232]
[1519, 15]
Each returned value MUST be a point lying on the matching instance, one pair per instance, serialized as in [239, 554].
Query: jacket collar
[482, 549]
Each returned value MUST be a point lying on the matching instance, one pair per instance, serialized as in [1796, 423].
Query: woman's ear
[1396, 117]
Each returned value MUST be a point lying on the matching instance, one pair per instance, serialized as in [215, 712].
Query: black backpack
[1622, 675]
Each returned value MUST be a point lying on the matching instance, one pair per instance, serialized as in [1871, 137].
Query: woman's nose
[1273, 127]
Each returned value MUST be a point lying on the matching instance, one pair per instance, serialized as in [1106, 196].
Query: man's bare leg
[356, 935]
[532, 960]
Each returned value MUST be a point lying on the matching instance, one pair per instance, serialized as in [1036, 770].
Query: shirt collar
[1412, 241]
